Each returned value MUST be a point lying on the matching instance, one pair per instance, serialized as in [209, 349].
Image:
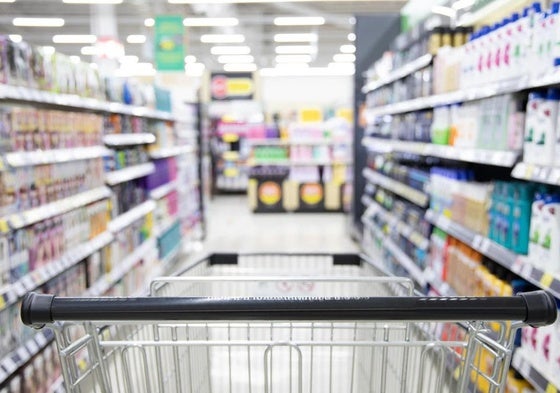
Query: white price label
[32, 347]
[9, 365]
[485, 246]
[3, 375]
[28, 282]
[526, 270]
[525, 368]
[19, 289]
[23, 354]
[41, 340]
[443, 223]
[517, 265]
[476, 243]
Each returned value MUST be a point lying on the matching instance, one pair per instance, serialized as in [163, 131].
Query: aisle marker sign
[169, 48]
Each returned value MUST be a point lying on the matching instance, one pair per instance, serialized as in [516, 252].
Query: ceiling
[255, 23]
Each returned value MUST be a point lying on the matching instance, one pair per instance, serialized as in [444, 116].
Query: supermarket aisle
[232, 227]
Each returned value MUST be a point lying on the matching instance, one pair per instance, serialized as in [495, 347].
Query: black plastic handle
[535, 308]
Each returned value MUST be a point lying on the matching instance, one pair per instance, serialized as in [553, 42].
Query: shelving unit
[116, 140]
[171, 152]
[130, 173]
[399, 73]
[537, 173]
[297, 163]
[163, 190]
[521, 362]
[125, 219]
[417, 197]
[297, 142]
[480, 156]
[55, 156]
[508, 259]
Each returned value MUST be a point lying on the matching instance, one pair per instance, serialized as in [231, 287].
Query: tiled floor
[231, 227]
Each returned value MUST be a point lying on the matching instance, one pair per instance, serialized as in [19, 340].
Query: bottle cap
[555, 7]
[536, 6]
[514, 17]
[553, 94]
[526, 11]
[557, 62]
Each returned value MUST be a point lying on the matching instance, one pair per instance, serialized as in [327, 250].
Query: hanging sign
[232, 86]
[169, 47]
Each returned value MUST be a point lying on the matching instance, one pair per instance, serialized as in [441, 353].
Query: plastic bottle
[531, 123]
[545, 131]
[535, 227]
[550, 238]
[534, 37]
[506, 46]
[553, 25]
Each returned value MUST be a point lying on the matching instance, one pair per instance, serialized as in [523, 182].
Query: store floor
[232, 227]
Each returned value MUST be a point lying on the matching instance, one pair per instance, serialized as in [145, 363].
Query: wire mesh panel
[271, 355]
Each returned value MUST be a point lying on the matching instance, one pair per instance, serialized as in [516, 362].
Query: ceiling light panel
[15, 37]
[295, 37]
[74, 39]
[294, 49]
[222, 38]
[293, 58]
[149, 22]
[92, 1]
[38, 22]
[344, 58]
[236, 59]
[352, 37]
[190, 59]
[136, 39]
[230, 50]
[347, 49]
[202, 22]
[89, 51]
[240, 67]
[299, 21]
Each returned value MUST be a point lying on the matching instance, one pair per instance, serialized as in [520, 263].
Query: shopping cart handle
[534, 308]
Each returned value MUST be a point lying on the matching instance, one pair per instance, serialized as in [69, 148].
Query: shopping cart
[286, 323]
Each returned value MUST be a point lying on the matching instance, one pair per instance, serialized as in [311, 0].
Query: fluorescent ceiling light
[237, 59]
[311, 71]
[190, 59]
[15, 37]
[92, 1]
[295, 37]
[293, 58]
[75, 59]
[344, 58]
[292, 65]
[89, 51]
[74, 39]
[94, 66]
[299, 21]
[48, 50]
[294, 49]
[342, 65]
[460, 4]
[129, 59]
[198, 22]
[136, 69]
[352, 37]
[7, 1]
[222, 38]
[149, 22]
[38, 22]
[136, 39]
[347, 49]
[230, 50]
[240, 67]
[445, 11]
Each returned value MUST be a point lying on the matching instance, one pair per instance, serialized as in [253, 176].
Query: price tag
[443, 223]
[23, 354]
[28, 282]
[41, 340]
[477, 242]
[517, 265]
[546, 280]
[3, 375]
[551, 389]
[9, 365]
[529, 169]
[485, 246]
[32, 347]
[16, 221]
[2, 302]
[525, 368]
[4, 227]
[526, 270]
[19, 289]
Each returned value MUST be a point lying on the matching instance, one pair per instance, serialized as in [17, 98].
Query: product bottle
[535, 227]
[545, 142]
[531, 123]
[550, 241]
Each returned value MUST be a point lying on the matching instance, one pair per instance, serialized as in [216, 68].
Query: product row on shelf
[450, 124]
[304, 167]
[92, 204]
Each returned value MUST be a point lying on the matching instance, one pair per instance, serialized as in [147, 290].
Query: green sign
[170, 53]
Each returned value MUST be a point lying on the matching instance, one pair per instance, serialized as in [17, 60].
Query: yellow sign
[312, 193]
[239, 86]
[270, 193]
[231, 172]
[310, 115]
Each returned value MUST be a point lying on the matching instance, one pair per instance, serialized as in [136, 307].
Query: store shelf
[302, 142]
[19, 357]
[34, 96]
[402, 228]
[254, 162]
[537, 173]
[129, 139]
[171, 258]
[470, 94]
[118, 272]
[41, 157]
[171, 151]
[399, 73]
[527, 369]
[508, 259]
[161, 191]
[417, 197]
[132, 215]
[32, 216]
[489, 11]
[481, 156]
[130, 173]
[435, 282]
[11, 294]
[404, 260]
[164, 227]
